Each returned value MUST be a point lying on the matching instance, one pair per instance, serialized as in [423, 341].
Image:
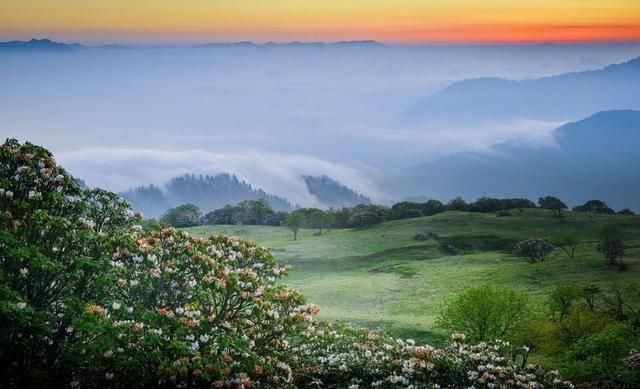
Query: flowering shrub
[193, 311]
[88, 298]
[536, 250]
[352, 357]
[51, 253]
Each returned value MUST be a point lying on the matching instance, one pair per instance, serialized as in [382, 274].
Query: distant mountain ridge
[331, 193]
[565, 97]
[597, 157]
[39, 45]
[207, 192]
[50, 45]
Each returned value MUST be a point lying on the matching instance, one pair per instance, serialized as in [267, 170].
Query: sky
[393, 21]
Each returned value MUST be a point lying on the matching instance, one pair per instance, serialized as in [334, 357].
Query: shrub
[53, 248]
[601, 358]
[484, 313]
[536, 250]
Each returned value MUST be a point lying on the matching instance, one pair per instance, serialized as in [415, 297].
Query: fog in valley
[121, 117]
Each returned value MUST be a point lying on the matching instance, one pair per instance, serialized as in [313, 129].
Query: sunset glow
[410, 21]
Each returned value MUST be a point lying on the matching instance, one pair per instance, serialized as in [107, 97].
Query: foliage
[249, 212]
[536, 249]
[294, 222]
[562, 298]
[611, 245]
[552, 203]
[594, 207]
[186, 215]
[568, 244]
[53, 249]
[600, 358]
[626, 211]
[484, 313]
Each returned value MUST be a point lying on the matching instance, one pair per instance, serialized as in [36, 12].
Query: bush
[536, 250]
[602, 358]
[55, 242]
[484, 313]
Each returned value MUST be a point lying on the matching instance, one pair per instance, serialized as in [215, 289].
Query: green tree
[484, 313]
[294, 222]
[611, 245]
[568, 244]
[552, 203]
[185, 215]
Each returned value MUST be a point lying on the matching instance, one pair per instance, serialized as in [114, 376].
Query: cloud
[119, 169]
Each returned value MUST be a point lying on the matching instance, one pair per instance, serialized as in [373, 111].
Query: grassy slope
[382, 277]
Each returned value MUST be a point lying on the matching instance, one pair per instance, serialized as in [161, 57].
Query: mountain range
[49, 45]
[561, 98]
[594, 158]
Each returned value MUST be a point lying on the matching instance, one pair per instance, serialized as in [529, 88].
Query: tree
[552, 203]
[186, 215]
[484, 313]
[294, 222]
[568, 244]
[562, 299]
[626, 211]
[457, 204]
[611, 245]
[595, 207]
[536, 250]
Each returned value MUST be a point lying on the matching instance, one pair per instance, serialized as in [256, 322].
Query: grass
[381, 277]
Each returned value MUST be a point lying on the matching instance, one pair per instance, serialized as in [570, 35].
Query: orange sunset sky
[401, 21]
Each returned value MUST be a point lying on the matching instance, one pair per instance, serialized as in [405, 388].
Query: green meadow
[382, 277]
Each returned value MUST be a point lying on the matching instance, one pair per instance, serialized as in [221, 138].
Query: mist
[123, 117]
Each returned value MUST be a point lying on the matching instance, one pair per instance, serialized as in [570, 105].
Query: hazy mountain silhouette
[597, 157]
[565, 97]
[207, 192]
[331, 193]
[39, 45]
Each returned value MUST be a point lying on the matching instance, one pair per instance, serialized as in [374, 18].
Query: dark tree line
[259, 212]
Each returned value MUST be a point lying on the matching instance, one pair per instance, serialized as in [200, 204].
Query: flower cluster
[356, 357]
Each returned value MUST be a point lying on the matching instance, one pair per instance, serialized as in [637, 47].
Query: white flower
[137, 259]
[195, 346]
[130, 309]
[108, 354]
[21, 305]
[116, 306]
[108, 376]
[24, 271]
[204, 338]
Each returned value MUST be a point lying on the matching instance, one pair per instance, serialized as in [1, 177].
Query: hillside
[207, 192]
[382, 277]
[564, 97]
[596, 157]
[331, 193]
